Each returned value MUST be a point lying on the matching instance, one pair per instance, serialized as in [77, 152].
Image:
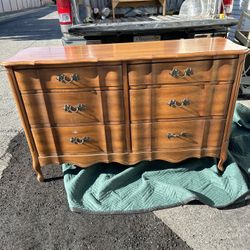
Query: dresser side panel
[232, 103]
[22, 113]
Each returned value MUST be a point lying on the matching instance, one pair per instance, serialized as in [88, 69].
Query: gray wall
[14, 5]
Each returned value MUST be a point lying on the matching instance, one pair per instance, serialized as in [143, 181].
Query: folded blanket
[150, 185]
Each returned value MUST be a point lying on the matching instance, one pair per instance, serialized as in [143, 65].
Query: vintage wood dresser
[128, 102]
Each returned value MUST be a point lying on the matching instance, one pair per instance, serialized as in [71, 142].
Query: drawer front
[178, 72]
[70, 78]
[79, 140]
[179, 101]
[74, 107]
[162, 136]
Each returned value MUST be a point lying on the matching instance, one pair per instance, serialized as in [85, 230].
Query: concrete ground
[206, 228]
[38, 28]
[36, 216]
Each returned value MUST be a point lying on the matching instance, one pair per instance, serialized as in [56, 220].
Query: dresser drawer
[177, 134]
[178, 72]
[74, 107]
[70, 78]
[79, 140]
[70, 140]
[179, 101]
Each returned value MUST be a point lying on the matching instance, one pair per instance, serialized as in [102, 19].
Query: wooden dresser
[128, 102]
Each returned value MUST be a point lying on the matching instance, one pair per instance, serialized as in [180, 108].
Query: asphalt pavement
[36, 215]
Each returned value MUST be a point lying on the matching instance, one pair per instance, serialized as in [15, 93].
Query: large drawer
[160, 136]
[179, 101]
[69, 77]
[187, 71]
[74, 107]
[79, 140]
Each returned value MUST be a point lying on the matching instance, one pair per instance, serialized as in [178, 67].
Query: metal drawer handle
[178, 135]
[76, 140]
[173, 103]
[65, 79]
[188, 72]
[74, 109]
[177, 73]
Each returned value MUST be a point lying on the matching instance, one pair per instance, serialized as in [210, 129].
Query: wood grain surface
[57, 140]
[160, 73]
[203, 100]
[182, 48]
[130, 158]
[196, 134]
[48, 109]
[88, 77]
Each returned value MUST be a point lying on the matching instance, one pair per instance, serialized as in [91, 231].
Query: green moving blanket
[150, 185]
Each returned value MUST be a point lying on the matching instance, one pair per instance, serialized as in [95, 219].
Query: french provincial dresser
[128, 102]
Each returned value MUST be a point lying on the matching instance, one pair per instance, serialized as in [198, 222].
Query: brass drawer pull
[65, 79]
[83, 140]
[74, 109]
[188, 72]
[174, 104]
[173, 135]
[177, 73]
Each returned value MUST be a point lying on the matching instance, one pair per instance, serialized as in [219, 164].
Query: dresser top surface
[170, 49]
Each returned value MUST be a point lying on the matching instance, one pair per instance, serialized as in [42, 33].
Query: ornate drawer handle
[76, 140]
[177, 73]
[173, 135]
[173, 103]
[74, 109]
[65, 79]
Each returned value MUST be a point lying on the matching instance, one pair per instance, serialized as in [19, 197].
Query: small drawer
[179, 101]
[79, 140]
[177, 134]
[74, 107]
[181, 72]
[70, 78]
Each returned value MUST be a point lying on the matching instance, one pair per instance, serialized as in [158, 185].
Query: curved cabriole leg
[222, 159]
[220, 166]
[37, 168]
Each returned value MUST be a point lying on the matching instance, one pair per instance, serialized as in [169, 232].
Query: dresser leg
[37, 168]
[220, 165]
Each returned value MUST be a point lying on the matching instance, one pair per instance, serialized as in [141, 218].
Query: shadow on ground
[32, 27]
[36, 215]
